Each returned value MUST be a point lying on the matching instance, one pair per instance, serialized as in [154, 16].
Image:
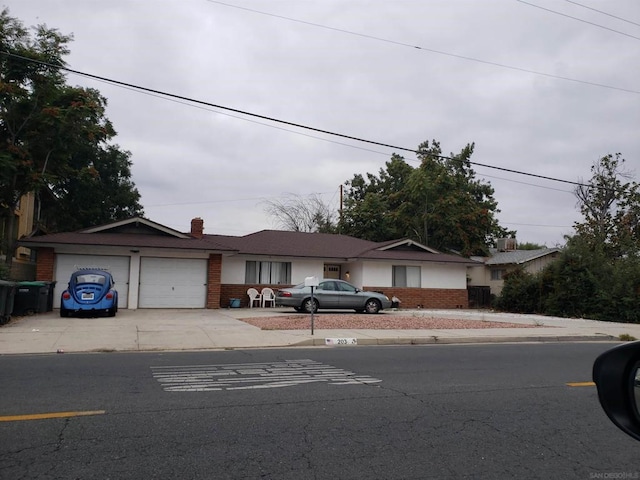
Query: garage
[172, 282]
[118, 266]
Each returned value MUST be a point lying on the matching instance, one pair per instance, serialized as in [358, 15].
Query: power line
[536, 225]
[163, 97]
[579, 19]
[413, 160]
[603, 13]
[430, 50]
[529, 184]
[276, 120]
[378, 152]
[206, 202]
[227, 200]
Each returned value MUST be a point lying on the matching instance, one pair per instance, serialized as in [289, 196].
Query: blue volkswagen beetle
[90, 292]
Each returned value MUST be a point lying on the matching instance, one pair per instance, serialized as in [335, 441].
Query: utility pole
[340, 211]
[426, 211]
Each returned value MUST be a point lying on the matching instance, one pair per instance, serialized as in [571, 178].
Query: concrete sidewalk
[177, 329]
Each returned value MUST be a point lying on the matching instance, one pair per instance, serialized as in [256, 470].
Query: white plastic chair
[254, 296]
[268, 297]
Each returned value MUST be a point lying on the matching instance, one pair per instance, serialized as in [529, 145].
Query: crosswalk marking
[246, 376]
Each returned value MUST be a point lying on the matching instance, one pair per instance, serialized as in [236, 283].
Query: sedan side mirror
[616, 374]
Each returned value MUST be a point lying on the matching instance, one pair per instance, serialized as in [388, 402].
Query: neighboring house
[157, 267]
[492, 269]
[22, 265]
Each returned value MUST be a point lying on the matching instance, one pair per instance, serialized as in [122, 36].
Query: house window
[404, 276]
[268, 273]
[497, 274]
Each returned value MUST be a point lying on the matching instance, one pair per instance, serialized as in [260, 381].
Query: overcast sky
[397, 72]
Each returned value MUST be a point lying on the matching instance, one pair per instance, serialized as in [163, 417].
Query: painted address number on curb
[340, 341]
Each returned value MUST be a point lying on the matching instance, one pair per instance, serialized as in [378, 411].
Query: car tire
[298, 309]
[64, 312]
[112, 312]
[308, 305]
[372, 306]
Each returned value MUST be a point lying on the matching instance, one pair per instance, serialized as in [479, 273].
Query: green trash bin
[30, 298]
[7, 294]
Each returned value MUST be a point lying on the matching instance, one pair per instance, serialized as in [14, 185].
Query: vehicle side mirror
[616, 374]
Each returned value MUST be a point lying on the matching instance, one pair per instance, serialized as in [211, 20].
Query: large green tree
[26, 88]
[440, 203]
[610, 206]
[97, 190]
[597, 274]
[53, 135]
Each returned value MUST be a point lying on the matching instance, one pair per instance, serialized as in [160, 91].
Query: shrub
[520, 293]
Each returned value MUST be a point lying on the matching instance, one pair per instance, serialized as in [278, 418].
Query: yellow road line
[43, 416]
[581, 384]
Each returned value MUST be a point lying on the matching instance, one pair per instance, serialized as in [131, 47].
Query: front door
[331, 271]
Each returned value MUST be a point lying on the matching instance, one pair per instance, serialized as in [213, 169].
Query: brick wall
[44, 266]
[410, 297]
[214, 276]
[426, 297]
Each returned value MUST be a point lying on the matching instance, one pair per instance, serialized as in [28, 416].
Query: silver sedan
[332, 294]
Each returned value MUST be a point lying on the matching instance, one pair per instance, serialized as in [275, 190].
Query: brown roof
[124, 240]
[325, 245]
[297, 244]
[144, 233]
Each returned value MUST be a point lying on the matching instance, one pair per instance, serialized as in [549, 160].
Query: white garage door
[173, 282]
[118, 267]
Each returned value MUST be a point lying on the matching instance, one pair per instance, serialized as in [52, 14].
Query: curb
[320, 342]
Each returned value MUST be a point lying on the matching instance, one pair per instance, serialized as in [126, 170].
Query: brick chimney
[197, 227]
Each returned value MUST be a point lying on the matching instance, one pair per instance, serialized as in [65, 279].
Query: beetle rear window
[91, 278]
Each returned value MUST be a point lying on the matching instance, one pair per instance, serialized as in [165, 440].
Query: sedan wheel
[372, 306]
[308, 305]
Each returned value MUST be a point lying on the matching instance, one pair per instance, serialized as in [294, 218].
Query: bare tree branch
[302, 214]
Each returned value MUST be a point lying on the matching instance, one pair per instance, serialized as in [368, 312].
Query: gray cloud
[192, 161]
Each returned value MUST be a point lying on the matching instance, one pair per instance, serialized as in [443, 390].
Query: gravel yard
[348, 321]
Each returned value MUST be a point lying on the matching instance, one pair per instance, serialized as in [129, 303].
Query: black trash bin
[7, 295]
[30, 298]
[51, 287]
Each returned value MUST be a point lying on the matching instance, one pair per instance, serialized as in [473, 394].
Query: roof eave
[136, 220]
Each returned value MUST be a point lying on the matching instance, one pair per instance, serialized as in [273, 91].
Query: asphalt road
[412, 412]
